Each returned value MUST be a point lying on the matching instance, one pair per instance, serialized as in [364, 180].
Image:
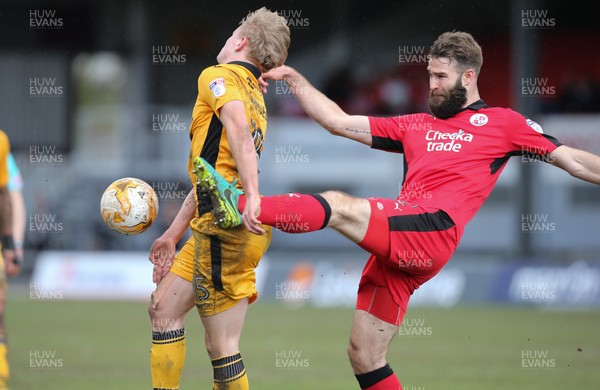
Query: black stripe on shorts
[426, 222]
[216, 261]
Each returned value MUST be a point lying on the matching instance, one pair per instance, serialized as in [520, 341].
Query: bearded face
[445, 104]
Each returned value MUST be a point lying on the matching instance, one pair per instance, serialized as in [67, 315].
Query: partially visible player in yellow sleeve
[6, 221]
[10, 262]
[215, 268]
[4, 152]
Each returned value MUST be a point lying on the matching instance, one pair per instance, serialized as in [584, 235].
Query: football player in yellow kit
[215, 268]
[9, 261]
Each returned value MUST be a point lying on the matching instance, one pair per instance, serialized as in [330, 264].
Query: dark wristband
[17, 260]
[8, 242]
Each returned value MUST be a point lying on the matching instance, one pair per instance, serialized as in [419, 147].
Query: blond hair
[460, 47]
[268, 38]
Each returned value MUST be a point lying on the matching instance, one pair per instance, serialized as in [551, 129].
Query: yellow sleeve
[217, 86]
[4, 151]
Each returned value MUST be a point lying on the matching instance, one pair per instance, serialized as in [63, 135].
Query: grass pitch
[105, 345]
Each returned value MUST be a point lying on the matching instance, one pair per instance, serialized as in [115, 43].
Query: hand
[262, 84]
[251, 213]
[11, 268]
[274, 74]
[162, 254]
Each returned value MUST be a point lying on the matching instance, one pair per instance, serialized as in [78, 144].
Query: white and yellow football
[129, 206]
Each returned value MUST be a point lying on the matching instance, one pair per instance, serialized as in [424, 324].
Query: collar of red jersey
[251, 68]
[476, 105]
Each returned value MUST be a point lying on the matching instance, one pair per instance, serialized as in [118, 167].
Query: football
[129, 206]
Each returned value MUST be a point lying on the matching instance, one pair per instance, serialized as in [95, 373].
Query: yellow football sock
[167, 356]
[230, 373]
[4, 370]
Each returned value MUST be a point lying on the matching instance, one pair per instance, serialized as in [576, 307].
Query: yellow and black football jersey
[218, 85]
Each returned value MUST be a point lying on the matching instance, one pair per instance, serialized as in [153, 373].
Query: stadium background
[93, 90]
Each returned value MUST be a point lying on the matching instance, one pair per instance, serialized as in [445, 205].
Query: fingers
[162, 254]
[250, 216]
[165, 271]
[254, 228]
[153, 252]
[252, 224]
[156, 275]
[156, 272]
[160, 270]
[263, 84]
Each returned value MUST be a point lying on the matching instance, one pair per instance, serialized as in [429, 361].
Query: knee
[154, 314]
[218, 347]
[212, 347]
[334, 197]
[356, 356]
[153, 306]
[338, 204]
[365, 358]
[163, 320]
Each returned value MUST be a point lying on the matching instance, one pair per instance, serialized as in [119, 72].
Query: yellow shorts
[220, 263]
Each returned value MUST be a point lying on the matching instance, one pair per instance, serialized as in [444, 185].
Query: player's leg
[170, 302]
[292, 213]
[349, 215]
[360, 220]
[222, 334]
[380, 306]
[367, 350]
[302, 213]
[224, 285]
[296, 213]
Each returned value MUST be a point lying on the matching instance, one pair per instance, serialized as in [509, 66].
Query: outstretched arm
[322, 109]
[579, 163]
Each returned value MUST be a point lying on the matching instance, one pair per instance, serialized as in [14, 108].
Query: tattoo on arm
[357, 131]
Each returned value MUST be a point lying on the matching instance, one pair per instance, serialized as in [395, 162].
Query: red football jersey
[453, 164]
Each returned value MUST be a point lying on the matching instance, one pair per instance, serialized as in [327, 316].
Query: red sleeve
[528, 137]
[387, 134]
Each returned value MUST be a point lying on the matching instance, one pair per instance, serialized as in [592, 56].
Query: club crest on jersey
[478, 119]
[217, 87]
[534, 126]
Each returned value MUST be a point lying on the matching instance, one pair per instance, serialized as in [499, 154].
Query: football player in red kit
[456, 154]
